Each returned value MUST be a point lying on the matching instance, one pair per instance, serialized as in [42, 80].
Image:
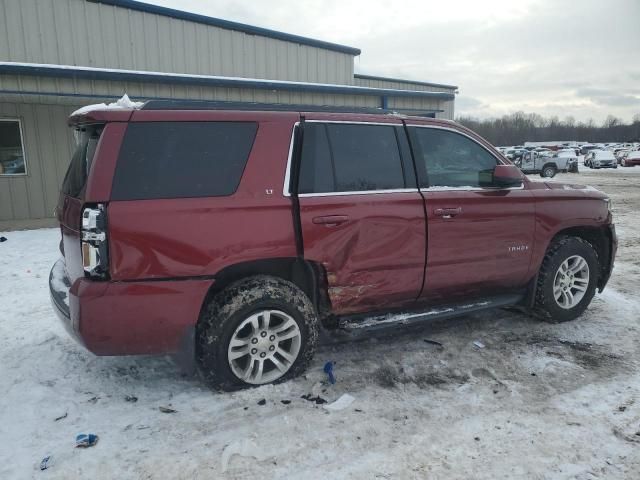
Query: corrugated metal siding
[413, 103]
[47, 143]
[77, 32]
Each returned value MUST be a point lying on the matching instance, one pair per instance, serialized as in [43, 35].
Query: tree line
[520, 127]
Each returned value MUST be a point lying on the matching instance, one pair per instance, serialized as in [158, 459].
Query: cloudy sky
[577, 58]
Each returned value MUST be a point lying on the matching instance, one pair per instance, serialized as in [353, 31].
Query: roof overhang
[401, 80]
[94, 73]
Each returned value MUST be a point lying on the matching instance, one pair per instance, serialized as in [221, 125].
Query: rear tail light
[95, 254]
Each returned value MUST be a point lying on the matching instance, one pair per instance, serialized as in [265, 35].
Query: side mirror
[506, 176]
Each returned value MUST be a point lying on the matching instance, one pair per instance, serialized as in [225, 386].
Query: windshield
[86, 141]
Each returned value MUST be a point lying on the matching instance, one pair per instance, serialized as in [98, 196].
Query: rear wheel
[259, 330]
[567, 280]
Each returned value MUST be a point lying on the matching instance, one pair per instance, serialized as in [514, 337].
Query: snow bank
[123, 103]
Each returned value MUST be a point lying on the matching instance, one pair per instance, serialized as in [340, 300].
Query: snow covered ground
[538, 401]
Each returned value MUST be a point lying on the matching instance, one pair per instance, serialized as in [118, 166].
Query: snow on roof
[123, 103]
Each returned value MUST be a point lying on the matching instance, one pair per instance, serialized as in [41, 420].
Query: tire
[566, 251]
[242, 312]
[548, 172]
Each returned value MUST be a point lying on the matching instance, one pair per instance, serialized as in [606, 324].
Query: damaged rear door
[362, 216]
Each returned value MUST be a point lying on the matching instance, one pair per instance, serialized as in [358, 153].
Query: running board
[362, 323]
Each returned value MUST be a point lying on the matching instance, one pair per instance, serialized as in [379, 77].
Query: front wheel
[548, 172]
[567, 280]
[259, 330]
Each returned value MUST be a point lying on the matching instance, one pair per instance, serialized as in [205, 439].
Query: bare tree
[519, 127]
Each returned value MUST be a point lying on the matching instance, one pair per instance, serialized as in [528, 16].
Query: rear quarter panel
[189, 237]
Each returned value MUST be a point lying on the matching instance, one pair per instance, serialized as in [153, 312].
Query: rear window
[86, 140]
[182, 159]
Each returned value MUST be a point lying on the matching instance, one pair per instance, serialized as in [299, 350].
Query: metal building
[57, 55]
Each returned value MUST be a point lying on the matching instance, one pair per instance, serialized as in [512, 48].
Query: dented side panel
[375, 258]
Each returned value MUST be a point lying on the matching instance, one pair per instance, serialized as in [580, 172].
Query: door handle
[330, 220]
[447, 212]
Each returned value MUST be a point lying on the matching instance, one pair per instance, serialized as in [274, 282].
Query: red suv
[234, 236]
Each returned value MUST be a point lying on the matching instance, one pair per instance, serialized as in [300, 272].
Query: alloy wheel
[264, 347]
[571, 282]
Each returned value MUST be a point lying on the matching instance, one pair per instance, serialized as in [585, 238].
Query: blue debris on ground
[86, 440]
[328, 369]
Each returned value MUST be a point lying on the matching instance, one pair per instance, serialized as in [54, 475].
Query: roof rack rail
[250, 106]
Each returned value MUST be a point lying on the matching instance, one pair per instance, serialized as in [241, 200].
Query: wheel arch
[599, 237]
[309, 276]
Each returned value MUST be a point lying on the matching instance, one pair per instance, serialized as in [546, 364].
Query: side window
[448, 159]
[316, 169]
[182, 159]
[340, 157]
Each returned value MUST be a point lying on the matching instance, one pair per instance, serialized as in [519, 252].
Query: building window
[12, 161]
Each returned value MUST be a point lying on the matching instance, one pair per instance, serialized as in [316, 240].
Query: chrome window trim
[359, 192]
[438, 188]
[287, 176]
[287, 173]
[24, 153]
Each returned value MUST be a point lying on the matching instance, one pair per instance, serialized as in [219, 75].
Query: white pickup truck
[547, 164]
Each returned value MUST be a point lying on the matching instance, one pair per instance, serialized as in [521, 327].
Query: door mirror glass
[506, 176]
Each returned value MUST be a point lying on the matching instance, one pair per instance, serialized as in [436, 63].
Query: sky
[577, 58]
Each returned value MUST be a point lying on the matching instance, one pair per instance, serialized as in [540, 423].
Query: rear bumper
[59, 286]
[127, 318]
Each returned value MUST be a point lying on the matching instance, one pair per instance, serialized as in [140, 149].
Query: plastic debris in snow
[478, 344]
[86, 440]
[46, 462]
[328, 369]
[343, 402]
[318, 400]
[123, 103]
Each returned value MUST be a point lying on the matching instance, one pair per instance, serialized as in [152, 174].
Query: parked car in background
[619, 153]
[515, 153]
[630, 159]
[547, 164]
[587, 148]
[600, 159]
